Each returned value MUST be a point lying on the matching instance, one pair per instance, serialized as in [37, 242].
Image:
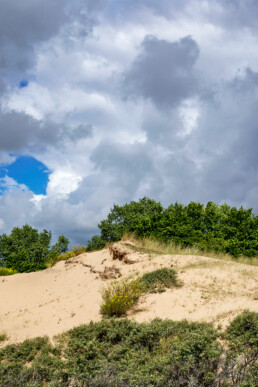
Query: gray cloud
[19, 132]
[164, 71]
[24, 24]
[128, 165]
[215, 160]
[241, 13]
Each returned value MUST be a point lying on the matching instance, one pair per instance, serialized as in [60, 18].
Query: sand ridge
[69, 294]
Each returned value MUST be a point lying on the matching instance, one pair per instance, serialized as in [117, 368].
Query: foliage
[96, 243]
[119, 296]
[61, 246]
[3, 337]
[159, 280]
[245, 329]
[214, 227]
[26, 249]
[240, 363]
[119, 352]
[78, 249]
[7, 271]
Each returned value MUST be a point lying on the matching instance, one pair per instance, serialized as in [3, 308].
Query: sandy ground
[68, 294]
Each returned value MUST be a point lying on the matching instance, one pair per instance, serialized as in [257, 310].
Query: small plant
[78, 249]
[159, 280]
[7, 271]
[3, 337]
[119, 296]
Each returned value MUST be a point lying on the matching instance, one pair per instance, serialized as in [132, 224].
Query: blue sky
[123, 99]
[23, 83]
[29, 171]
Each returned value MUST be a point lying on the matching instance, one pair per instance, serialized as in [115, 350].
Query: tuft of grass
[120, 296]
[3, 337]
[7, 271]
[158, 280]
[156, 247]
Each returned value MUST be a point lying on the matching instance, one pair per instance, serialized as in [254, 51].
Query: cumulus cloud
[127, 99]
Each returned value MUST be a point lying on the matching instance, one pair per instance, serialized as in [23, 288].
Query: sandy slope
[68, 294]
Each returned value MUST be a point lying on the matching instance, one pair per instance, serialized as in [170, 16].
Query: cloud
[127, 99]
[20, 132]
[23, 25]
[164, 71]
[239, 14]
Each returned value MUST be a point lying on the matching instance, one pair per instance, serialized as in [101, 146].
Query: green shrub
[119, 296]
[241, 358]
[244, 329]
[7, 271]
[124, 353]
[158, 280]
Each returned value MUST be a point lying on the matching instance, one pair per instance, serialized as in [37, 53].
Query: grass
[203, 265]
[152, 246]
[119, 352]
[158, 280]
[3, 337]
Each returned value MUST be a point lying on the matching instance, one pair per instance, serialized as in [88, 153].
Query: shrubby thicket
[26, 249]
[214, 227]
[124, 353]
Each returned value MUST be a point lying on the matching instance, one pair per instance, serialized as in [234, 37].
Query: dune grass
[155, 247]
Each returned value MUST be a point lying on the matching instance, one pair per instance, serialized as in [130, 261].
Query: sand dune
[68, 294]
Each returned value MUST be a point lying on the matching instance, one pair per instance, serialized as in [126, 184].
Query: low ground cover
[119, 352]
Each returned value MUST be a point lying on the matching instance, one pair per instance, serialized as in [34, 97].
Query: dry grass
[150, 246]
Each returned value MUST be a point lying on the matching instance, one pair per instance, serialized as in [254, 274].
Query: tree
[26, 250]
[61, 246]
[211, 227]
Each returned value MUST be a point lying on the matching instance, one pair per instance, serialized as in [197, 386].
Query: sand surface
[68, 294]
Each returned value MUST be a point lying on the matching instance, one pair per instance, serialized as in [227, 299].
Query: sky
[108, 101]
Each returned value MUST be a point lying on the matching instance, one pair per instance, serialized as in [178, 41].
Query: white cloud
[103, 145]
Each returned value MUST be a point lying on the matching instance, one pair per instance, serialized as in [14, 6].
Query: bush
[119, 296]
[124, 353]
[240, 360]
[158, 280]
[78, 249]
[244, 329]
[7, 271]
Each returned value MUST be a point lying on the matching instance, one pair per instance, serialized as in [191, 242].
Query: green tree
[211, 227]
[61, 246]
[26, 249]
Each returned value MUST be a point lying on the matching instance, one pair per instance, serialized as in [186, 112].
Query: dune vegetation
[214, 229]
[162, 261]
[118, 352]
